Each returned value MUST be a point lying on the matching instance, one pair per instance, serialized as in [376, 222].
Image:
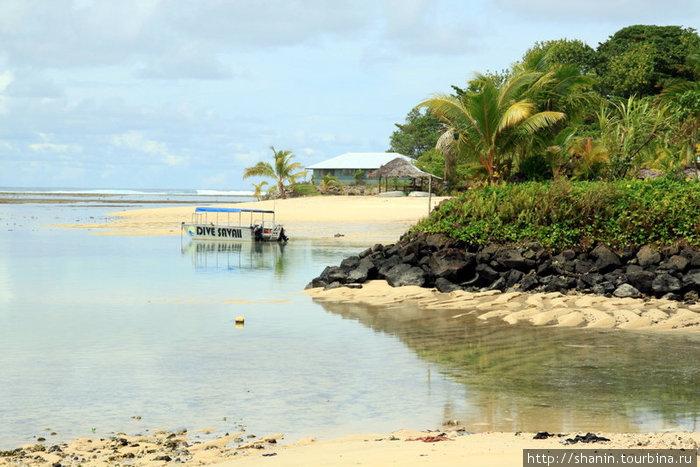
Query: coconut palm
[328, 181]
[258, 189]
[491, 122]
[281, 171]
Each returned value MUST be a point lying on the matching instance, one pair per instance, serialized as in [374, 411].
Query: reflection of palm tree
[281, 172]
[280, 264]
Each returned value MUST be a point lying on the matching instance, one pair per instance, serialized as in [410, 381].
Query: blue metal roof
[207, 209]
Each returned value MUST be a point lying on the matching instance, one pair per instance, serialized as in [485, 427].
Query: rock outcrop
[435, 260]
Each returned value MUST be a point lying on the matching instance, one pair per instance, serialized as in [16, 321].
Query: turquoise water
[95, 330]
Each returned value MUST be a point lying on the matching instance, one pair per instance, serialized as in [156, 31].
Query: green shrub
[561, 214]
[304, 189]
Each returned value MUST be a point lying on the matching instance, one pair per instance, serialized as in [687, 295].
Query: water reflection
[534, 378]
[234, 256]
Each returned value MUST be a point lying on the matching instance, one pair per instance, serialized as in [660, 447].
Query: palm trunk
[280, 189]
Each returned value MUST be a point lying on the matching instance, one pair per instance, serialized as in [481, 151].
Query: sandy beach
[542, 309]
[452, 447]
[364, 221]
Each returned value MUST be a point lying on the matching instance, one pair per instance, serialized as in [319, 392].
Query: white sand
[551, 309]
[358, 219]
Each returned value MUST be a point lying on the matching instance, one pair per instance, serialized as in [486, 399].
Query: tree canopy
[417, 135]
[568, 110]
[641, 60]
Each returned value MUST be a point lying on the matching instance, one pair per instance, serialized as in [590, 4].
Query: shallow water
[95, 330]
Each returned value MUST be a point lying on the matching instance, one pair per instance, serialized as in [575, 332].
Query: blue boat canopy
[231, 210]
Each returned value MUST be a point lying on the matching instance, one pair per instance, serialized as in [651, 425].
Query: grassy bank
[562, 214]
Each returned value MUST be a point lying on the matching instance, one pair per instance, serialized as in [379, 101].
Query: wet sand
[548, 309]
[452, 447]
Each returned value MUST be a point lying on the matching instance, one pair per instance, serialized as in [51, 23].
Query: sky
[184, 94]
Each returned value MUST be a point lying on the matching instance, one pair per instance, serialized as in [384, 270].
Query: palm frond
[261, 169]
[515, 114]
[541, 120]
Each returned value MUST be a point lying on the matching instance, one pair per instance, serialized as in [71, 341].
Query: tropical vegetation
[566, 110]
[282, 170]
[563, 213]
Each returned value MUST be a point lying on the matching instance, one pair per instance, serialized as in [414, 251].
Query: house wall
[344, 176]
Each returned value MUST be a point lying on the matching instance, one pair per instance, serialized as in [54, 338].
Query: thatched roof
[446, 144]
[399, 168]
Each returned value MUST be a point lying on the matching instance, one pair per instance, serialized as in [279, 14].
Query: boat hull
[233, 233]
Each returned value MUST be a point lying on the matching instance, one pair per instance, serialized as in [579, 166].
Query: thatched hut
[401, 168]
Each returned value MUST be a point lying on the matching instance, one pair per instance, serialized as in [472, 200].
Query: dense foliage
[417, 135]
[561, 214]
[567, 110]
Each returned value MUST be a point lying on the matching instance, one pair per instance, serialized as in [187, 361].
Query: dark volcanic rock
[333, 274]
[641, 279]
[498, 284]
[665, 283]
[510, 258]
[626, 291]
[592, 278]
[350, 262]
[558, 284]
[438, 261]
[452, 267]
[405, 274]
[646, 256]
[605, 258]
[385, 265]
[512, 277]
[691, 281]
[529, 283]
[675, 263]
[443, 285]
[486, 273]
[364, 271]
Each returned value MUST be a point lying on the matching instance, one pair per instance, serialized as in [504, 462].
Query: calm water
[95, 330]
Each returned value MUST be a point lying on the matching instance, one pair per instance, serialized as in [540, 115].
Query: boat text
[222, 232]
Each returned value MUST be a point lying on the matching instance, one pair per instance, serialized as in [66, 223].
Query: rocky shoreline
[437, 261]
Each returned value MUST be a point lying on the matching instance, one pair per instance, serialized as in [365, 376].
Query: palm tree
[492, 121]
[258, 189]
[327, 182]
[281, 172]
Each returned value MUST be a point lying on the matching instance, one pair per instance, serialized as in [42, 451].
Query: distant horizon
[152, 190]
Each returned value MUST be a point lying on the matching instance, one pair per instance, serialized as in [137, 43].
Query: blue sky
[187, 93]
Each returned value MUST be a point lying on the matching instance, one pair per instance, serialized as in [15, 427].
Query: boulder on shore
[438, 261]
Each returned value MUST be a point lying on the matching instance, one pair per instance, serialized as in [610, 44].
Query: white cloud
[47, 146]
[136, 141]
[629, 11]
[189, 62]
